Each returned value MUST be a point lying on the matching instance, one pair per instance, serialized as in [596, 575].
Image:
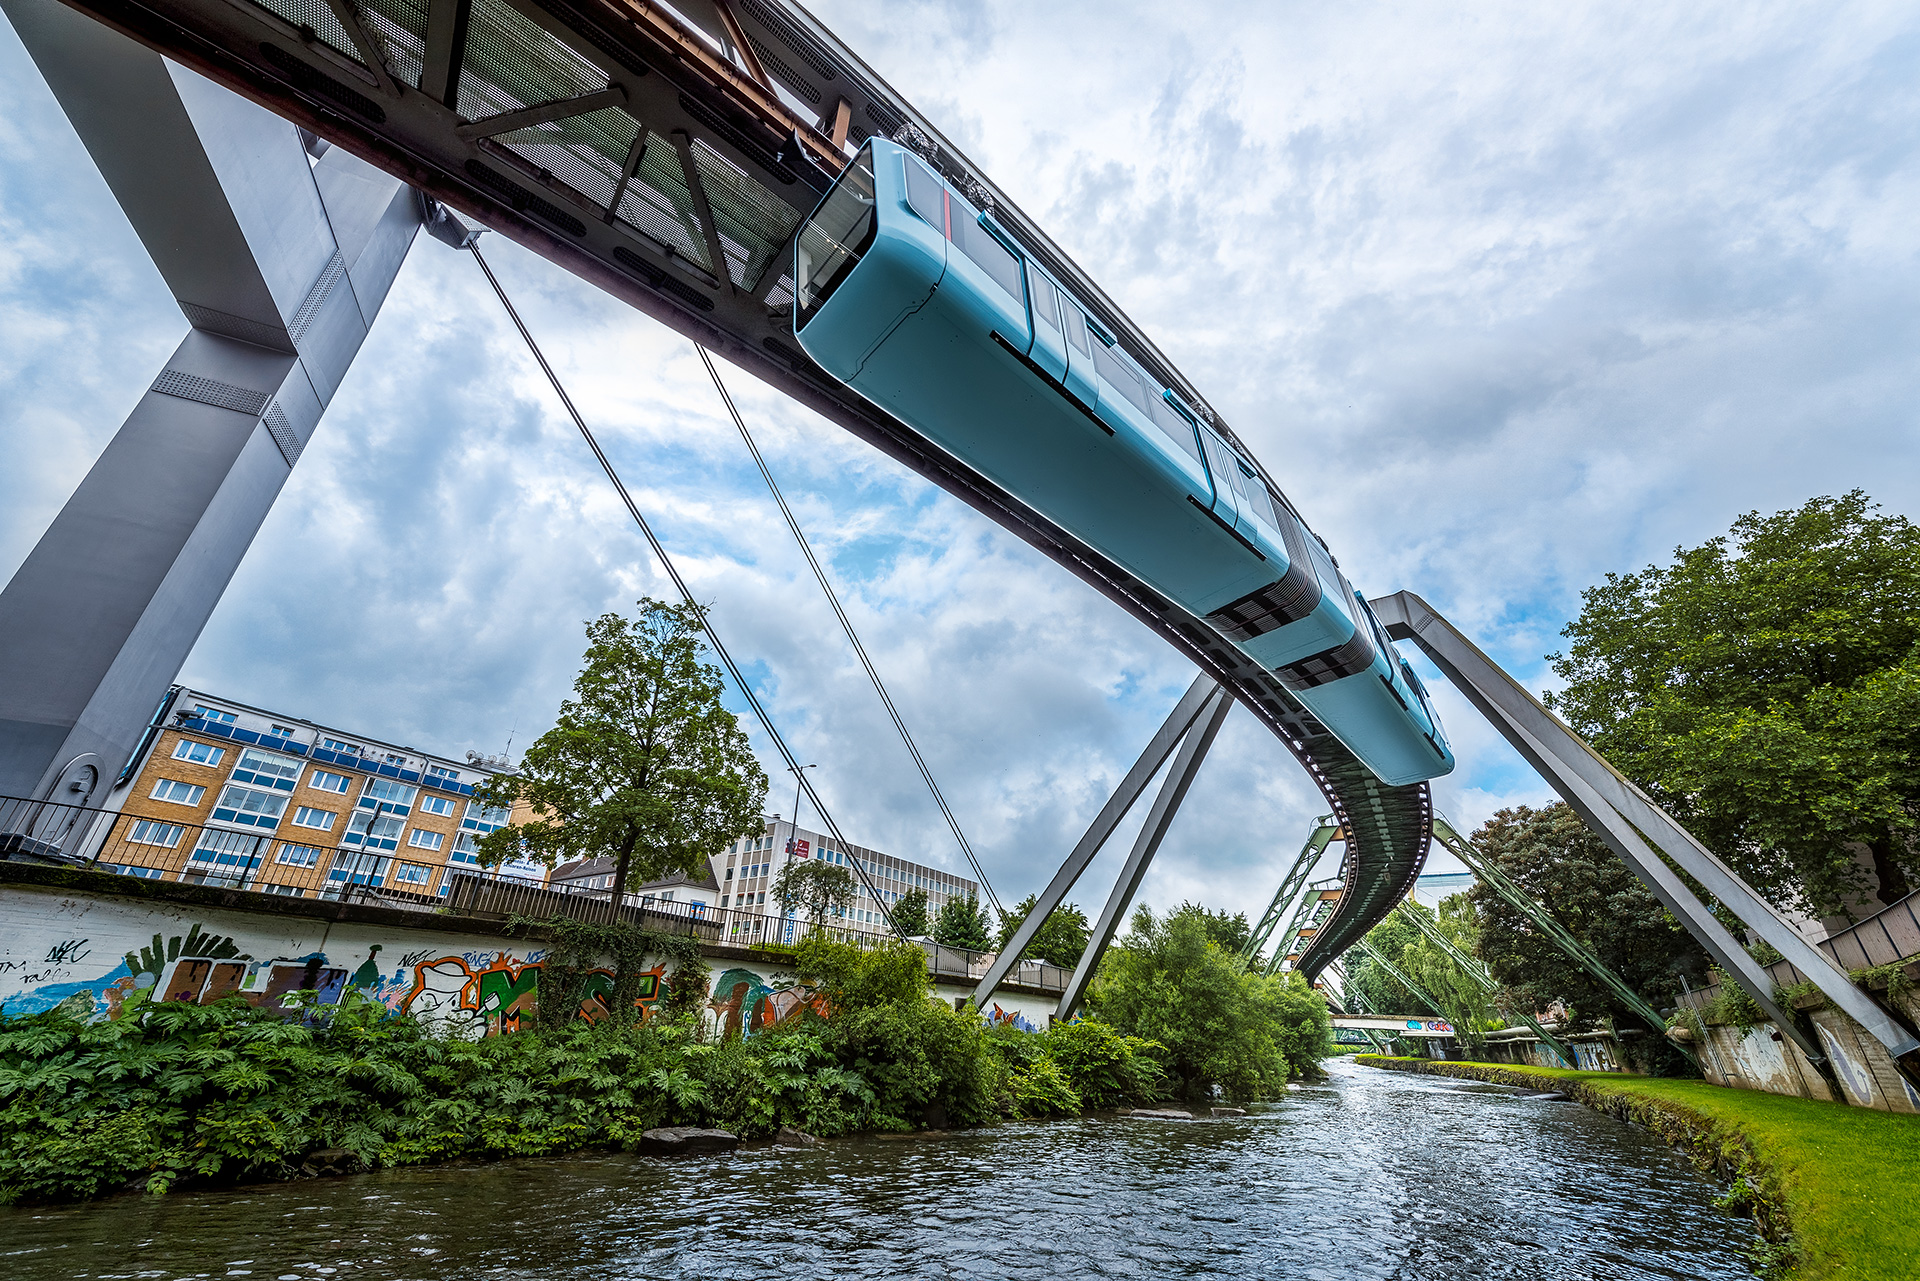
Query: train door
[1049, 350]
[1229, 489]
[1079, 379]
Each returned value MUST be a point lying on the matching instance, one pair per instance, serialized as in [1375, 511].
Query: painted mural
[109, 955]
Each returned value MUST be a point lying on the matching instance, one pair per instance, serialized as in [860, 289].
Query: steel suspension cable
[846, 625]
[659, 551]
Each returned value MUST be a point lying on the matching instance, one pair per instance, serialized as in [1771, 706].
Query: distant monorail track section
[668, 156]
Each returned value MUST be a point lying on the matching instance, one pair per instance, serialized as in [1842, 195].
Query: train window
[1046, 305]
[981, 245]
[831, 242]
[1332, 586]
[1122, 379]
[1077, 329]
[927, 195]
[1178, 429]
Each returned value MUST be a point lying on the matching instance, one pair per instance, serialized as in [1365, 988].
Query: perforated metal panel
[400, 26]
[510, 62]
[658, 204]
[753, 222]
[585, 152]
[317, 17]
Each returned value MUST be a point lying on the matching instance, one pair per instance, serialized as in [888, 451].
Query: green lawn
[1846, 1179]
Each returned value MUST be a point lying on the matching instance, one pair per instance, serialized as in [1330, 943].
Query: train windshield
[831, 242]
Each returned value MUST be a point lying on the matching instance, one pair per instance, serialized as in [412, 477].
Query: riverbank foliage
[1827, 1184]
[227, 1092]
[1220, 1025]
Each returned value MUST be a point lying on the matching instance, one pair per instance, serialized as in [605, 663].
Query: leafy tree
[1382, 991]
[1464, 1002]
[644, 764]
[910, 913]
[963, 923]
[1230, 933]
[1061, 938]
[1765, 689]
[1565, 868]
[817, 890]
[1220, 1025]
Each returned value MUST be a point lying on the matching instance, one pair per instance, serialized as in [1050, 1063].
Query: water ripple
[1374, 1176]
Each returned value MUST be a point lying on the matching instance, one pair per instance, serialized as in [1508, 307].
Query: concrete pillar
[280, 265]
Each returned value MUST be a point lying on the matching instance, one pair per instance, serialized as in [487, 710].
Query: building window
[441, 771]
[335, 745]
[151, 831]
[168, 789]
[424, 840]
[306, 816]
[437, 804]
[268, 769]
[483, 818]
[198, 753]
[249, 806]
[464, 850]
[214, 714]
[394, 758]
[280, 731]
[365, 830]
[398, 795]
[326, 782]
[297, 855]
[410, 873]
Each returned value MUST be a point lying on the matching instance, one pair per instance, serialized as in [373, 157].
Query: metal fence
[271, 863]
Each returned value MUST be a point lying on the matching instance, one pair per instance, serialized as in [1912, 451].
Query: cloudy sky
[1508, 296]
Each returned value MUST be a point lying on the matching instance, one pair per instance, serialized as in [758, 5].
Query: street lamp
[794, 835]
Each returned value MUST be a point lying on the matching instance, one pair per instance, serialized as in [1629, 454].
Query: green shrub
[1041, 1089]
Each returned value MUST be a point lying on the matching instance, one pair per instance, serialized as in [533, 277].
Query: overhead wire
[846, 625]
[666, 561]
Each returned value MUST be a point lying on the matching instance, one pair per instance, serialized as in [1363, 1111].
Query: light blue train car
[931, 310]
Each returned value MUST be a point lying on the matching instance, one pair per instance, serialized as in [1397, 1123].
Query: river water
[1373, 1175]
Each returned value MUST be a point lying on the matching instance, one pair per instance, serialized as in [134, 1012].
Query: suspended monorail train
[929, 308]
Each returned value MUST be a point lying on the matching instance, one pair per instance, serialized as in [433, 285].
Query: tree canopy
[1061, 938]
[1168, 981]
[1554, 859]
[963, 923]
[816, 890]
[643, 764]
[1765, 689]
[910, 913]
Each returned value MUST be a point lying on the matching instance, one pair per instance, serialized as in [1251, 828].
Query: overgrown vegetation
[230, 1092]
[1220, 1025]
[1824, 1183]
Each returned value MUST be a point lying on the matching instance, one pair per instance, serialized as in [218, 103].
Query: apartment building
[236, 795]
[747, 868]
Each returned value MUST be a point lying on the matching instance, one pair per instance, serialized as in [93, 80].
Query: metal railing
[268, 862]
[273, 863]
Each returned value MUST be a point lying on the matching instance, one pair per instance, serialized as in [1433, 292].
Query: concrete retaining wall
[119, 942]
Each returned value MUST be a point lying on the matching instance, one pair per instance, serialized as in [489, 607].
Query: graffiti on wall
[743, 1003]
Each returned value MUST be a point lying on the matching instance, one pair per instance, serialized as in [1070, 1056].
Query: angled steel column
[1171, 731]
[1399, 976]
[1172, 792]
[1626, 819]
[280, 266]
[1463, 849]
[1324, 830]
[1311, 913]
[1477, 971]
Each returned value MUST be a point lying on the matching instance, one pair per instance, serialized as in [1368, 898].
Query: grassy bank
[1832, 1186]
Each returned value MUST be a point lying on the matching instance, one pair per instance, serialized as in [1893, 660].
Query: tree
[815, 889]
[643, 765]
[1381, 990]
[1765, 689]
[1231, 933]
[1061, 938]
[910, 913]
[1221, 1025]
[1565, 868]
[1463, 1000]
[963, 924]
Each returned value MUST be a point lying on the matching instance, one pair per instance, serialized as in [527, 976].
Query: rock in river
[686, 1140]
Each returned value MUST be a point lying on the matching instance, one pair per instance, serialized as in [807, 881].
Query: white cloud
[1508, 297]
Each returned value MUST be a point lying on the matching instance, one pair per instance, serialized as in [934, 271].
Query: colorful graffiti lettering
[742, 1003]
[501, 994]
[998, 1017]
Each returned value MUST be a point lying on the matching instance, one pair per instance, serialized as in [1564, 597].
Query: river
[1372, 1175]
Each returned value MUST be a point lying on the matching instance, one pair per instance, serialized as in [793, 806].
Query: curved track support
[1633, 826]
[1323, 834]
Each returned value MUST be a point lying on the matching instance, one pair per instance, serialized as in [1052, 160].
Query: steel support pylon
[1632, 826]
[1202, 694]
[1477, 971]
[1503, 885]
[280, 254]
[1325, 829]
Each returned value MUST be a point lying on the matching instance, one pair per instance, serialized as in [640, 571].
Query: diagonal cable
[846, 625]
[740, 682]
